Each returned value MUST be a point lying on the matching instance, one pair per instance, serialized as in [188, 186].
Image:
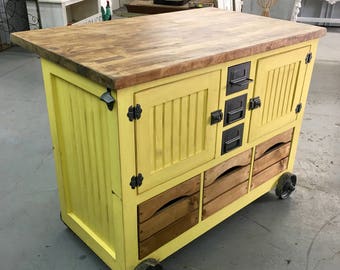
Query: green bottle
[108, 11]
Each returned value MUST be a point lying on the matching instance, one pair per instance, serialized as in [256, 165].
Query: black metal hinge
[108, 99]
[136, 181]
[134, 112]
[216, 117]
[308, 58]
[254, 103]
[298, 108]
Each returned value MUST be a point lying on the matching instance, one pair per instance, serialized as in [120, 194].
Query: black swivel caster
[286, 185]
[149, 264]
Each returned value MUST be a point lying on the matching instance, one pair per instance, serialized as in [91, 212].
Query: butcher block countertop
[126, 52]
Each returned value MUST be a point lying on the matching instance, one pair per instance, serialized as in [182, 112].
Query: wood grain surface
[170, 232]
[148, 208]
[272, 142]
[224, 199]
[268, 173]
[168, 215]
[225, 183]
[272, 157]
[126, 52]
[212, 174]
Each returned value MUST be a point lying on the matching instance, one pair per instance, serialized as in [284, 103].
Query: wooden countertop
[126, 52]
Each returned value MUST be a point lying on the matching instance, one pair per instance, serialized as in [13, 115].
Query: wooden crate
[226, 182]
[167, 215]
[271, 158]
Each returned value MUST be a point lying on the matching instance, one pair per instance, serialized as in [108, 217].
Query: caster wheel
[149, 264]
[286, 185]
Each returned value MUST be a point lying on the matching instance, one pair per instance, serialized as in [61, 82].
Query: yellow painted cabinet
[174, 133]
[279, 83]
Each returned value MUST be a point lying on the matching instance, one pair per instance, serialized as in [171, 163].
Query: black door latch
[216, 117]
[254, 103]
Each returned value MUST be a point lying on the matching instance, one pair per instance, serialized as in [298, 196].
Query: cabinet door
[174, 133]
[279, 83]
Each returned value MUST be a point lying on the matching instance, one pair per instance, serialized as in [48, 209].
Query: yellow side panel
[174, 134]
[279, 83]
[83, 131]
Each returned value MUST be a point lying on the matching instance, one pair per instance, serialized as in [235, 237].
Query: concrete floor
[302, 232]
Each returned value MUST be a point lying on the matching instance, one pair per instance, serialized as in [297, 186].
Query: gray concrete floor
[302, 232]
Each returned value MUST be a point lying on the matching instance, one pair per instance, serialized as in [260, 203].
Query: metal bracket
[308, 58]
[134, 113]
[298, 108]
[136, 181]
[108, 99]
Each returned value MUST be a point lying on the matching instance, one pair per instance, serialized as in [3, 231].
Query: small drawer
[232, 138]
[167, 215]
[271, 158]
[235, 109]
[226, 180]
[238, 78]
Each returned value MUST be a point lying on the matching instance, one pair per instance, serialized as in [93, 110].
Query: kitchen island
[165, 125]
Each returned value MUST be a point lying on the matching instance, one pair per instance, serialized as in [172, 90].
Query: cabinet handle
[238, 110]
[241, 81]
[237, 138]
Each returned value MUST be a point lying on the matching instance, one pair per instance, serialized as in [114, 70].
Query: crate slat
[225, 183]
[160, 238]
[148, 208]
[271, 158]
[168, 215]
[212, 174]
[281, 138]
[225, 199]
[268, 173]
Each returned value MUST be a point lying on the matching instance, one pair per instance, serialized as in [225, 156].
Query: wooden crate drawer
[273, 142]
[268, 173]
[271, 158]
[167, 215]
[225, 199]
[225, 182]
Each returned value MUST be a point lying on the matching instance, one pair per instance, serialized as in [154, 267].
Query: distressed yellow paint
[97, 151]
[161, 164]
[271, 77]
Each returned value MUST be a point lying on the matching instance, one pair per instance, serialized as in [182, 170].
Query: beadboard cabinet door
[279, 84]
[174, 133]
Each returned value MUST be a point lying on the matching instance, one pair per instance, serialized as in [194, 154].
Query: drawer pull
[236, 111]
[273, 147]
[172, 202]
[241, 81]
[232, 140]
